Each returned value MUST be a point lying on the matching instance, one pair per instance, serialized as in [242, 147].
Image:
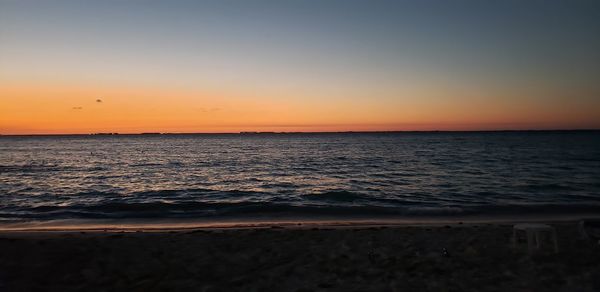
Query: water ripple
[326, 174]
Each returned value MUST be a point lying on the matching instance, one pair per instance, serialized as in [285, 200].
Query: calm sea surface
[273, 175]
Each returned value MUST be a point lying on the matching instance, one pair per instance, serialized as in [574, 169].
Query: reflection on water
[270, 174]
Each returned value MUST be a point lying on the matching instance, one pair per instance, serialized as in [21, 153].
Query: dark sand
[406, 258]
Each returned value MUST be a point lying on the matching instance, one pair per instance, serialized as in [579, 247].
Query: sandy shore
[389, 258]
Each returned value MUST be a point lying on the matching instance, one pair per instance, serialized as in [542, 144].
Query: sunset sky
[312, 65]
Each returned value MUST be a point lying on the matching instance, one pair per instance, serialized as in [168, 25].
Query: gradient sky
[312, 65]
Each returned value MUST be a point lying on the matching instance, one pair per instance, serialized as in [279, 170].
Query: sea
[271, 176]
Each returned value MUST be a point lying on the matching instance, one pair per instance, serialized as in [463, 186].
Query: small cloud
[98, 100]
[77, 108]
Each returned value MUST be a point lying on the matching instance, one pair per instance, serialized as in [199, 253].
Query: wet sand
[479, 257]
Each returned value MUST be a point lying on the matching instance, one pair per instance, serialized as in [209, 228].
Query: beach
[299, 146]
[301, 257]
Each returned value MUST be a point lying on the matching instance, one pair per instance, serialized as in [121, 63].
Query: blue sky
[386, 51]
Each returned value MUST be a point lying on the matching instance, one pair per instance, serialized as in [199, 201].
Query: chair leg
[537, 239]
[555, 240]
[514, 238]
[582, 232]
[530, 241]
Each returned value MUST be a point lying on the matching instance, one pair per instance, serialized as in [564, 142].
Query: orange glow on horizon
[58, 109]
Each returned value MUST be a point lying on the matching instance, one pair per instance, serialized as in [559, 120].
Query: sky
[134, 66]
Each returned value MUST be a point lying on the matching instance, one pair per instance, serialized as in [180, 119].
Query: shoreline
[170, 224]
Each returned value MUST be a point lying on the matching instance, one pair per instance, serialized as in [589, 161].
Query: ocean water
[299, 175]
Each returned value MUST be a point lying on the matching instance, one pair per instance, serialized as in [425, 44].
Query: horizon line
[299, 132]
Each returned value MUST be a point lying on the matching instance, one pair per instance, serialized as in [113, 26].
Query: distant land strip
[302, 133]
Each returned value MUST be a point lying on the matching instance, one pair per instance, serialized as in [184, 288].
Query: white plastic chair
[533, 232]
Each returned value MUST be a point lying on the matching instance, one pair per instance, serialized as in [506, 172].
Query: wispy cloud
[77, 108]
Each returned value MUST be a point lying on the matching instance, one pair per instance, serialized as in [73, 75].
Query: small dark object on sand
[371, 255]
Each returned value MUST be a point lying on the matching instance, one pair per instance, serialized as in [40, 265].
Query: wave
[207, 209]
[339, 196]
[548, 187]
[27, 168]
